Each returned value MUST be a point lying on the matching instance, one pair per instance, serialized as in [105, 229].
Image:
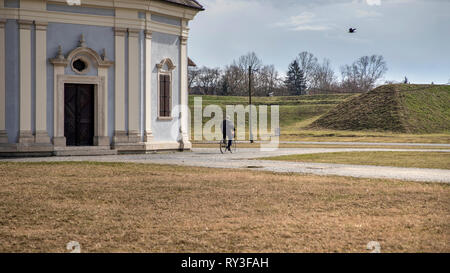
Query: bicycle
[223, 146]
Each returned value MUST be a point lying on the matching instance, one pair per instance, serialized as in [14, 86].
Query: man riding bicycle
[228, 131]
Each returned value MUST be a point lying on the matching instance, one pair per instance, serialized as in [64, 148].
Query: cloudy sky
[412, 35]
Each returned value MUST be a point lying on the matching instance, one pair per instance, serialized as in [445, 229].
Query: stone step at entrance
[84, 151]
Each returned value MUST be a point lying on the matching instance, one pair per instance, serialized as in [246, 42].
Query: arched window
[165, 68]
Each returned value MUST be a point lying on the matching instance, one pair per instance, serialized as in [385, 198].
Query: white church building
[102, 77]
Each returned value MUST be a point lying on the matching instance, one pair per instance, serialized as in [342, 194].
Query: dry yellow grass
[433, 160]
[154, 208]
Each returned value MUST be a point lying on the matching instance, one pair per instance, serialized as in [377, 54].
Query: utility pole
[250, 102]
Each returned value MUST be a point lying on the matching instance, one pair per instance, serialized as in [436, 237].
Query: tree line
[305, 75]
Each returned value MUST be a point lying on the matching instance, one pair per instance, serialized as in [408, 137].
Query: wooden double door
[79, 114]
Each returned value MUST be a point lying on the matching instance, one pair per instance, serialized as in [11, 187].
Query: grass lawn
[363, 136]
[298, 112]
[406, 108]
[436, 160]
[117, 207]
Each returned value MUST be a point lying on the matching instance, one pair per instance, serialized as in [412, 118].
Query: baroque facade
[107, 76]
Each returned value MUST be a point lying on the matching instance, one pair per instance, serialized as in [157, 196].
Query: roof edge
[198, 7]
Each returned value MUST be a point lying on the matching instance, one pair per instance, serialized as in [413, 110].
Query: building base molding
[163, 146]
[120, 137]
[185, 145]
[3, 136]
[41, 137]
[60, 148]
[84, 151]
[59, 141]
[148, 136]
[134, 137]
[150, 147]
[26, 137]
[129, 148]
[25, 150]
[101, 141]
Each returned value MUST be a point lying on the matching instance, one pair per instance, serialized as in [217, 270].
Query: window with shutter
[164, 96]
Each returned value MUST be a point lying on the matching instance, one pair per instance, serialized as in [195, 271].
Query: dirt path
[245, 158]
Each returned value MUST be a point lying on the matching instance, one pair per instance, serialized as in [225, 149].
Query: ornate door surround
[82, 60]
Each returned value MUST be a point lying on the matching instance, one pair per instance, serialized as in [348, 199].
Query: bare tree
[208, 80]
[193, 74]
[233, 80]
[308, 64]
[362, 75]
[267, 80]
[250, 60]
[241, 67]
[323, 78]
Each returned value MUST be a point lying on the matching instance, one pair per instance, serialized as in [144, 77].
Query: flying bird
[351, 30]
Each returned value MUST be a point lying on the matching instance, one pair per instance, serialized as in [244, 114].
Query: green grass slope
[405, 108]
[295, 111]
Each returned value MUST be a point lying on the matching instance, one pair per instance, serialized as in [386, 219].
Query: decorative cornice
[148, 34]
[59, 62]
[40, 25]
[119, 31]
[183, 40]
[170, 65]
[133, 32]
[25, 24]
[105, 21]
[100, 61]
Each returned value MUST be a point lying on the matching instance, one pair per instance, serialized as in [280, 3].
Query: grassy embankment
[415, 110]
[118, 207]
[403, 113]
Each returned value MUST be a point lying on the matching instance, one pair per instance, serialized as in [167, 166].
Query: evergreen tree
[295, 80]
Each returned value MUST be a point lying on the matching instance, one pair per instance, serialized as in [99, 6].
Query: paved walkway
[245, 158]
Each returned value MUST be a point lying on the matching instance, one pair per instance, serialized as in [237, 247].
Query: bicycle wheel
[223, 147]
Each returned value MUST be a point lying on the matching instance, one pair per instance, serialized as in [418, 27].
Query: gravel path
[346, 143]
[245, 158]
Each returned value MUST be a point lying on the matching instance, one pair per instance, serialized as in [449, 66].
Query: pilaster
[25, 133]
[133, 86]
[120, 135]
[41, 135]
[148, 135]
[59, 63]
[184, 111]
[3, 133]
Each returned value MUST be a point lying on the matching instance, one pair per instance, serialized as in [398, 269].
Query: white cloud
[373, 2]
[303, 22]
